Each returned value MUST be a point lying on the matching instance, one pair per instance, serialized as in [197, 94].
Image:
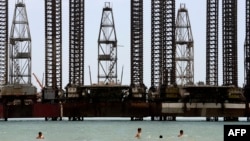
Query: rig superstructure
[172, 92]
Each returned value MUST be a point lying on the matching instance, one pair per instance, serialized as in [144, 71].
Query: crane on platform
[37, 80]
[39, 94]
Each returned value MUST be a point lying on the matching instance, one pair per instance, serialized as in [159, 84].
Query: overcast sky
[121, 12]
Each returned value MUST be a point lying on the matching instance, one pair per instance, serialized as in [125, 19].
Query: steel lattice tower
[3, 41]
[20, 47]
[53, 44]
[136, 42]
[107, 47]
[76, 44]
[184, 48]
[212, 42]
[229, 20]
[162, 42]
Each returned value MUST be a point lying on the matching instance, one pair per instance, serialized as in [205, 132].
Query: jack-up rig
[18, 90]
[172, 92]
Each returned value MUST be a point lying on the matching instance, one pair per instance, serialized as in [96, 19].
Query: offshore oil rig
[172, 92]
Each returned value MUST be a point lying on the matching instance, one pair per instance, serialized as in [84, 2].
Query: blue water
[111, 130]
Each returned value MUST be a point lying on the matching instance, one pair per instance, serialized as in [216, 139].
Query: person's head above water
[40, 135]
[181, 133]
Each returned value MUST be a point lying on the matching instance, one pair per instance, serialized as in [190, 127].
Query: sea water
[94, 129]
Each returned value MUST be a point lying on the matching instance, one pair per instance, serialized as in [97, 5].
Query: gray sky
[121, 12]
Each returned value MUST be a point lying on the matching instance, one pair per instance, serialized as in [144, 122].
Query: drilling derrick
[107, 48]
[162, 46]
[20, 47]
[108, 90]
[229, 33]
[212, 42]
[184, 48]
[76, 48]
[53, 50]
[19, 59]
[3, 41]
[137, 85]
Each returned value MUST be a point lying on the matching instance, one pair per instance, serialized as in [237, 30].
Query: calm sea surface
[111, 130]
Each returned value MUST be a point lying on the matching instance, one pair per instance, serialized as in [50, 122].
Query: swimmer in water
[40, 135]
[181, 133]
[138, 134]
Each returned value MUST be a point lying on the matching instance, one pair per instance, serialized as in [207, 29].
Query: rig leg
[231, 119]
[152, 118]
[75, 118]
[212, 118]
[136, 118]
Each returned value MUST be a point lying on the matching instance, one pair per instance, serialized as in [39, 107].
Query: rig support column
[3, 41]
[53, 49]
[212, 42]
[162, 42]
[156, 43]
[76, 49]
[137, 84]
[247, 59]
[76, 42]
[229, 29]
[169, 66]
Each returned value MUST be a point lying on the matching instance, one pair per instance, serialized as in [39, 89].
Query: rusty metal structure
[212, 23]
[76, 44]
[247, 58]
[184, 48]
[162, 48]
[3, 41]
[169, 49]
[229, 34]
[76, 48]
[247, 44]
[53, 49]
[162, 42]
[137, 84]
[18, 90]
[156, 43]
